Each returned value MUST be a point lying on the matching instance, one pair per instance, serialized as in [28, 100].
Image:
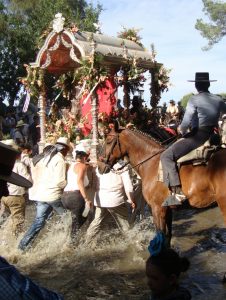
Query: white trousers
[119, 213]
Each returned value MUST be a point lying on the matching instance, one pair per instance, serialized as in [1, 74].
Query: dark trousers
[183, 146]
[76, 204]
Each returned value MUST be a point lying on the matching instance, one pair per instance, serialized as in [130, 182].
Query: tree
[185, 99]
[22, 23]
[216, 29]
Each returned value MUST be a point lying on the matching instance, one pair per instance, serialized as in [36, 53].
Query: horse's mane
[145, 135]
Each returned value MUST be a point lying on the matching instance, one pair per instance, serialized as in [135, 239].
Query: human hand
[133, 205]
[179, 131]
[89, 203]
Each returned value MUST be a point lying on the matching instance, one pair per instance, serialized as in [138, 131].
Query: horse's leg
[169, 220]
[162, 217]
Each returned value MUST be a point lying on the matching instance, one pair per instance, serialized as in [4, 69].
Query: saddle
[198, 156]
[203, 153]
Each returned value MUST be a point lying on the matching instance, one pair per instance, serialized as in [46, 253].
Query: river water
[113, 267]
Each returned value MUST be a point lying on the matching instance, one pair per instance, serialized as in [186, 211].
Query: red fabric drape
[106, 102]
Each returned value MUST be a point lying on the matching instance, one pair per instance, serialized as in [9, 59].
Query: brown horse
[203, 184]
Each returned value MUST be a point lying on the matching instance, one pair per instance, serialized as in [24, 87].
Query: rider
[201, 116]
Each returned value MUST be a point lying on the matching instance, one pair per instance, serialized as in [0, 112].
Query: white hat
[11, 143]
[63, 141]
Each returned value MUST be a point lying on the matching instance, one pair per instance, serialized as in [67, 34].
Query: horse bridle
[115, 142]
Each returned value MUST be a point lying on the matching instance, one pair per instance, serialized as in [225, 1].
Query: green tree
[185, 99]
[216, 29]
[22, 23]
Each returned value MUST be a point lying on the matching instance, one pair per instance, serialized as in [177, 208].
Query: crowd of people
[60, 177]
[163, 267]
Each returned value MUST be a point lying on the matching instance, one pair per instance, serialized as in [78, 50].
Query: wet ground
[113, 266]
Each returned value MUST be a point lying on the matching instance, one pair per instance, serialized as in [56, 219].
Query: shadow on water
[95, 276]
[200, 235]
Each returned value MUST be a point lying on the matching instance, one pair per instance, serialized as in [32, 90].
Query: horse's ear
[114, 125]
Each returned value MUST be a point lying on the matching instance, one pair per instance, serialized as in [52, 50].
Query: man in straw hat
[201, 116]
[14, 285]
[49, 187]
[15, 202]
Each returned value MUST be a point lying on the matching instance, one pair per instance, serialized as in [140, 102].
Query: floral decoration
[130, 34]
[160, 80]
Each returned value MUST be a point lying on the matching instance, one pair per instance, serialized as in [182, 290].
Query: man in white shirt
[111, 189]
[47, 188]
[172, 110]
[15, 202]
[14, 285]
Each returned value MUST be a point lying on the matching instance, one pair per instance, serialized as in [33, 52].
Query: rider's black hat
[201, 77]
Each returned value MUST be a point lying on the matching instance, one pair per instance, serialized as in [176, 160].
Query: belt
[68, 192]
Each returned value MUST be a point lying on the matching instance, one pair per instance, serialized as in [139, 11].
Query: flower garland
[130, 34]
[33, 82]
[160, 80]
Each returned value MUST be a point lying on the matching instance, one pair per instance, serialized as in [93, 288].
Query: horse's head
[112, 149]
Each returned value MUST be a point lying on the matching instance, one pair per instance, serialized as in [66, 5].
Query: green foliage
[91, 71]
[22, 22]
[216, 29]
[223, 95]
[185, 99]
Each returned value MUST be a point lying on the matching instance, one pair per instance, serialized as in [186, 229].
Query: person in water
[163, 269]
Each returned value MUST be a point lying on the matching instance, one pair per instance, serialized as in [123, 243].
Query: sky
[170, 26]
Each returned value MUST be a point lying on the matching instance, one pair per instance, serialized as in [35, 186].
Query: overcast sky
[170, 25]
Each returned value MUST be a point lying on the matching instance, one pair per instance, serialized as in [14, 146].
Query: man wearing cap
[14, 285]
[172, 110]
[50, 188]
[15, 202]
[201, 117]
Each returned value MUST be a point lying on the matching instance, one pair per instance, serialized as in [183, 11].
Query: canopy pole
[94, 110]
[42, 115]
[95, 140]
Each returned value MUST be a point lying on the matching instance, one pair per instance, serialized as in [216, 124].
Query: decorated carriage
[85, 70]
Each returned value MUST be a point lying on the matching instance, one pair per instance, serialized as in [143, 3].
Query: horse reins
[116, 141]
[137, 165]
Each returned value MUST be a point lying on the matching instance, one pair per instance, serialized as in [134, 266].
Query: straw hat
[63, 141]
[20, 123]
[11, 143]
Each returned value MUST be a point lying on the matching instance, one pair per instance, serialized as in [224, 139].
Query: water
[113, 266]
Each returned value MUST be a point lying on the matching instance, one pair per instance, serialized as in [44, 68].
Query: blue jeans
[43, 212]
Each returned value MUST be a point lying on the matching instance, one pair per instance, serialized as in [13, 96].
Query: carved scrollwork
[47, 62]
[56, 45]
[65, 43]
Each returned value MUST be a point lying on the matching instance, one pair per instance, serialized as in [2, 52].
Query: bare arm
[80, 170]
[128, 186]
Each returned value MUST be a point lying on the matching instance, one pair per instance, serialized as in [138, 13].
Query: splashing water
[113, 266]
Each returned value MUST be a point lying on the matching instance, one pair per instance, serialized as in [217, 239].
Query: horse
[202, 185]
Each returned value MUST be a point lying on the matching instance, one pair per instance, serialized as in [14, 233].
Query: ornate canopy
[64, 48]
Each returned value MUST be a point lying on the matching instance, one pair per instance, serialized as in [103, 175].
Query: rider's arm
[188, 116]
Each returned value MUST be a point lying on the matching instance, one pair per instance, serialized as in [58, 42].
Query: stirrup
[174, 199]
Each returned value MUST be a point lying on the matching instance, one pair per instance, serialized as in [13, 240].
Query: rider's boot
[176, 197]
